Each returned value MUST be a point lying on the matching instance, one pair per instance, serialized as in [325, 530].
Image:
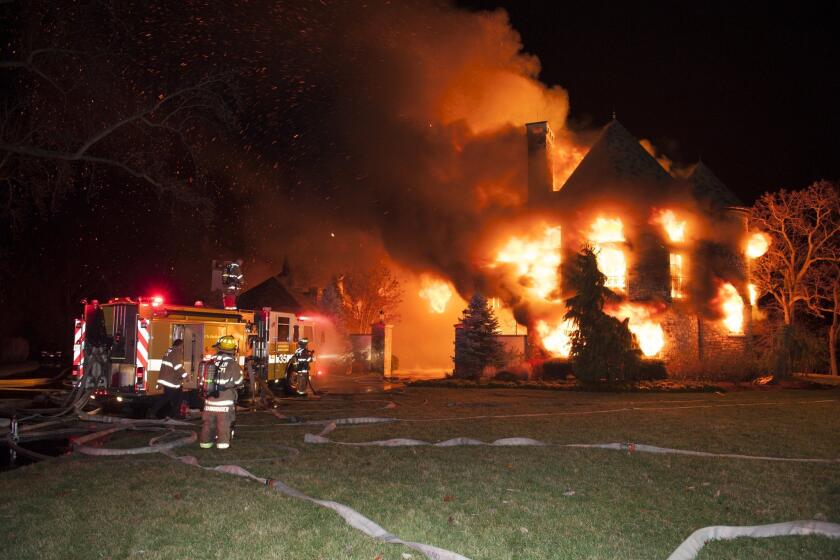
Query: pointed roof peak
[707, 187]
[615, 157]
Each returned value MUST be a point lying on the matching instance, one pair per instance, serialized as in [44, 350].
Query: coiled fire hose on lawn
[686, 551]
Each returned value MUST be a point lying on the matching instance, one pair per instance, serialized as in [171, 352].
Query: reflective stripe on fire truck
[220, 403]
[154, 365]
[142, 344]
[78, 345]
[142, 354]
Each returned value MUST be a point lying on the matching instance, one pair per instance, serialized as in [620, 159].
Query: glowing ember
[753, 294]
[648, 332]
[733, 308]
[557, 338]
[605, 234]
[436, 292]
[673, 227]
[757, 245]
[536, 262]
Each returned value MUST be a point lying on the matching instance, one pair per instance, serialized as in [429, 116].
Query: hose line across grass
[688, 550]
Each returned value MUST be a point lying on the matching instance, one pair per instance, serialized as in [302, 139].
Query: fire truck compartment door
[193, 352]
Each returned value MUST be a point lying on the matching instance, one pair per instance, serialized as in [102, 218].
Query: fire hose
[155, 446]
[351, 516]
[329, 426]
[691, 546]
[689, 549]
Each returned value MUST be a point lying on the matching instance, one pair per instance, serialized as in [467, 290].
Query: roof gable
[269, 293]
[615, 158]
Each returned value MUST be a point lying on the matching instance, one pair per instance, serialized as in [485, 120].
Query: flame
[677, 276]
[604, 233]
[673, 227]
[753, 294]
[536, 261]
[565, 158]
[757, 244]
[648, 332]
[605, 230]
[733, 308]
[557, 338]
[436, 292]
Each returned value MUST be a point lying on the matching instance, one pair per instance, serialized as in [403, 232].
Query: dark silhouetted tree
[602, 346]
[476, 345]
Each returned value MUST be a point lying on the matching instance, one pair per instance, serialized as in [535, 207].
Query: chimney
[540, 174]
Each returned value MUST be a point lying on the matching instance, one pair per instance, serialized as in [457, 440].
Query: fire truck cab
[137, 332]
[284, 332]
[131, 336]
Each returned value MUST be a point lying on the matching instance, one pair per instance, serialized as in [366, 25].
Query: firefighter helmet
[226, 343]
[303, 342]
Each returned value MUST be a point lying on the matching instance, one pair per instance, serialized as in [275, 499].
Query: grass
[482, 502]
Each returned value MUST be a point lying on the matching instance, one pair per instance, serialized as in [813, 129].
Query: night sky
[384, 123]
[750, 88]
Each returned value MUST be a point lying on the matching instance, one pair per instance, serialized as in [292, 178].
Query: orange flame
[536, 261]
[648, 332]
[565, 158]
[757, 244]
[557, 338]
[753, 294]
[604, 234]
[733, 308]
[677, 276]
[436, 292]
[673, 227]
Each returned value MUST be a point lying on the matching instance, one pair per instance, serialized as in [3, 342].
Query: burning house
[673, 245]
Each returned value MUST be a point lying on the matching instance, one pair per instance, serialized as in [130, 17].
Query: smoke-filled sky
[371, 128]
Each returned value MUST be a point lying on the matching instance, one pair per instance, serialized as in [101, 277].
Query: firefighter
[220, 403]
[303, 356]
[297, 369]
[172, 376]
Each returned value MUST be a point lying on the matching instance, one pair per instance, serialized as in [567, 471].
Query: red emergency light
[157, 301]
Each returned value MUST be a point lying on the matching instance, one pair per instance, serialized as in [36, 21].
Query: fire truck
[135, 333]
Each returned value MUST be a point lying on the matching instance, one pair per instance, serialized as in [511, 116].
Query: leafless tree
[822, 288]
[804, 229]
[364, 293]
[75, 117]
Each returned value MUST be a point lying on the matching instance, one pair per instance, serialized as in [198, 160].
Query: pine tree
[476, 346]
[602, 346]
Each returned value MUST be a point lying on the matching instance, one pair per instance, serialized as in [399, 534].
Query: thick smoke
[406, 129]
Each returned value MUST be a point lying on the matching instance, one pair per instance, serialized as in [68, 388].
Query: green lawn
[482, 502]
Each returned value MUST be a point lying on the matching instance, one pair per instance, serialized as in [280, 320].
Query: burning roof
[616, 157]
